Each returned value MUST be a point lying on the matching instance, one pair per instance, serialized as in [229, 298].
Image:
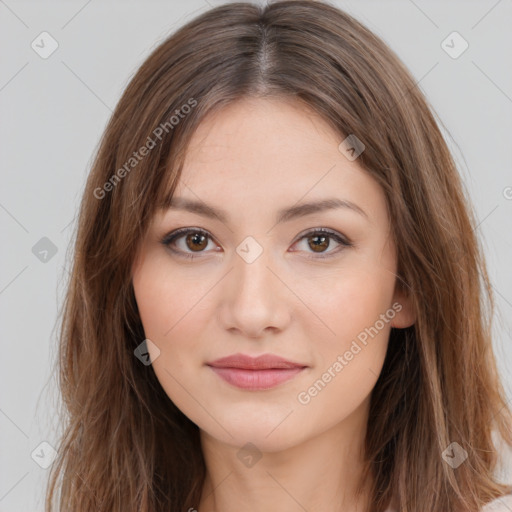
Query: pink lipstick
[255, 373]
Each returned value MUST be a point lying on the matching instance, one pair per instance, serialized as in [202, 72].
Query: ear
[405, 311]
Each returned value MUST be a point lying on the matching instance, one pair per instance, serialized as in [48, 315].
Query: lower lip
[256, 379]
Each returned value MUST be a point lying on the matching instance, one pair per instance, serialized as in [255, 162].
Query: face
[267, 275]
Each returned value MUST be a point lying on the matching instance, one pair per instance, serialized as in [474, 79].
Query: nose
[255, 298]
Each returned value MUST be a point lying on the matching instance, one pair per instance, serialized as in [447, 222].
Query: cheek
[347, 302]
[173, 314]
[355, 313]
[174, 311]
[167, 300]
[347, 367]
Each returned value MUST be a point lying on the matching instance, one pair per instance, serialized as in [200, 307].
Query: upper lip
[263, 362]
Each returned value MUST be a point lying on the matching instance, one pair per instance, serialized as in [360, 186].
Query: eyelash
[173, 236]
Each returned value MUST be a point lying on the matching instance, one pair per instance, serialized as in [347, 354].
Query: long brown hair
[125, 445]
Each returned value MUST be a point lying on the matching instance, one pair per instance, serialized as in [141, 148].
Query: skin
[251, 159]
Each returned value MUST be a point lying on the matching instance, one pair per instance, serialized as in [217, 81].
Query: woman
[277, 298]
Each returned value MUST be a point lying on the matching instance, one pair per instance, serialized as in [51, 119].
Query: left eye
[319, 241]
[196, 241]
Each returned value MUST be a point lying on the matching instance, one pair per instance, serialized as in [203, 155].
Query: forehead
[262, 133]
[270, 153]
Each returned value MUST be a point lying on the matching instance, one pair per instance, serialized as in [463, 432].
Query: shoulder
[503, 504]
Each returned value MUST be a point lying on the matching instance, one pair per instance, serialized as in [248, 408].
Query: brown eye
[320, 240]
[318, 243]
[188, 242]
[196, 241]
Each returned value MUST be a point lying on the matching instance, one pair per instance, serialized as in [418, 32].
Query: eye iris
[196, 238]
[317, 247]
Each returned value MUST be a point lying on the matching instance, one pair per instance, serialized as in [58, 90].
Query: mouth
[255, 373]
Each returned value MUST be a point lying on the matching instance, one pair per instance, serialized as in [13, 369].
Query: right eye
[194, 240]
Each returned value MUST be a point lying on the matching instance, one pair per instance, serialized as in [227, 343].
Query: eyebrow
[283, 215]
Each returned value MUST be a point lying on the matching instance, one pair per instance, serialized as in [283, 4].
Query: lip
[255, 373]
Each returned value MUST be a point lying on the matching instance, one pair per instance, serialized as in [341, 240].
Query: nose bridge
[251, 274]
[255, 301]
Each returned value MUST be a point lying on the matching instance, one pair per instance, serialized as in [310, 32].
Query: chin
[267, 436]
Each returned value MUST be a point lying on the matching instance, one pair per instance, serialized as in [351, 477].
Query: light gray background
[54, 110]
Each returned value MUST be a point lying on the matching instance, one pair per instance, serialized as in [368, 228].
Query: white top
[503, 504]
